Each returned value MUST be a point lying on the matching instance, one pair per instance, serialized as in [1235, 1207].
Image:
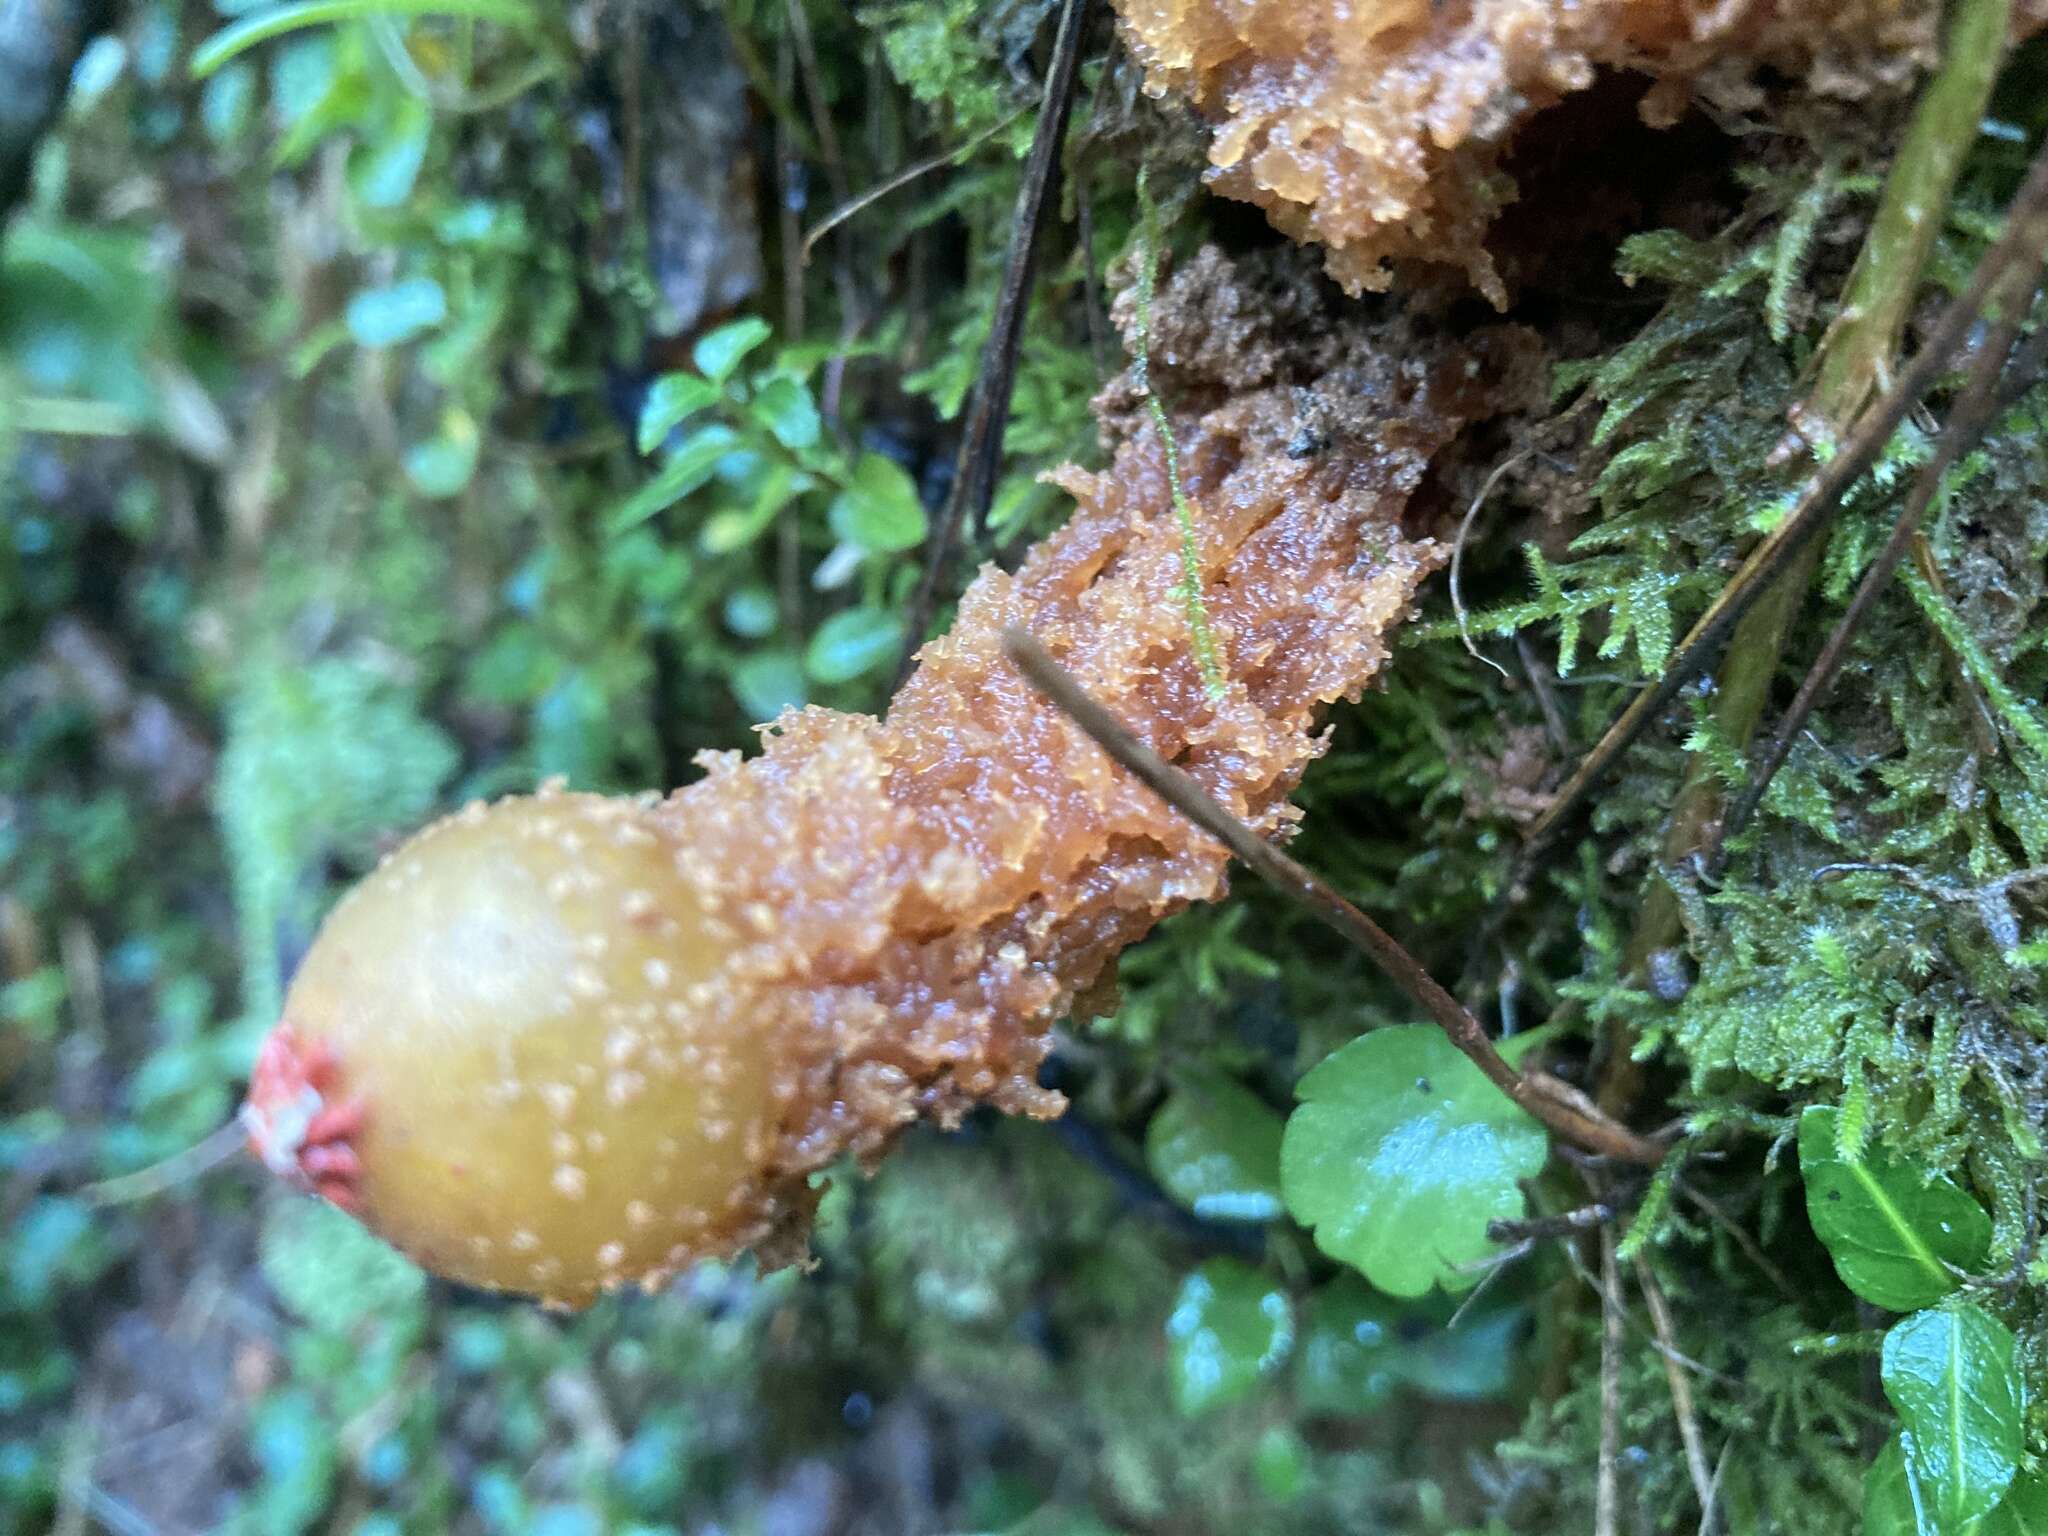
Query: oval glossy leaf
[1399, 1155]
[1215, 1147]
[385, 317]
[1230, 1328]
[1953, 1375]
[851, 643]
[879, 509]
[718, 352]
[671, 399]
[1892, 1231]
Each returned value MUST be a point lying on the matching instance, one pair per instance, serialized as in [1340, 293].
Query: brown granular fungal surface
[1381, 130]
[932, 891]
[568, 1042]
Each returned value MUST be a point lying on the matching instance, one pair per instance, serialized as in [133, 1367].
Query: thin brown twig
[1606, 1488]
[1570, 1223]
[981, 443]
[1967, 421]
[1814, 505]
[902, 178]
[1681, 1389]
[1749, 1245]
[1549, 1100]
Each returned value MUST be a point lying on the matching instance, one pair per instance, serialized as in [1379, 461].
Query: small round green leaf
[1400, 1153]
[784, 406]
[851, 643]
[879, 509]
[1281, 1464]
[718, 352]
[1953, 1375]
[767, 683]
[442, 466]
[1348, 1348]
[1359, 1345]
[385, 317]
[1892, 1230]
[1230, 1328]
[384, 167]
[1215, 1147]
[671, 399]
[751, 613]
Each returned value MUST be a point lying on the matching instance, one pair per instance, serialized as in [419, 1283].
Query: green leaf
[2022, 1512]
[227, 103]
[670, 399]
[1230, 1328]
[718, 352]
[768, 683]
[1359, 1345]
[879, 509]
[443, 466]
[1282, 1465]
[1892, 1232]
[731, 528]
[1888, 1495]
[751, 613]
[385, 317]
[687, 468]
[382, 170]
[1953, 1375]
[329, 1270]
[276, 20]
[1215, 1147]
[784, 406]
[1348, 1350]
[1400, 1154]
[852, 642]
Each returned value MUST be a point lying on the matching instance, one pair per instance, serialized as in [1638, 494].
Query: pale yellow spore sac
[508, 998]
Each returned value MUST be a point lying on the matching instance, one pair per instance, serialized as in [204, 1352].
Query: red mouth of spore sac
[297, 1126]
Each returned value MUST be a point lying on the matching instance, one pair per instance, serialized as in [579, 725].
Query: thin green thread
[1189, 588]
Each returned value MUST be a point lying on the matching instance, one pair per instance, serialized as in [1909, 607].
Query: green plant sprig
[1200, 635]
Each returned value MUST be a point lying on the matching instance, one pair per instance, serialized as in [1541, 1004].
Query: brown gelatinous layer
[915, 901]
[564, 1043]
[1380, 129]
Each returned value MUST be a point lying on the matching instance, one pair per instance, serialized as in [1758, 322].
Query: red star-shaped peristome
[295, 1123]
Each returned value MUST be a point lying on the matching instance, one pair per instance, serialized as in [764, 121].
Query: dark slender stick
[1815, 505]
[981, 444]
[1967, 420]
[1542, 1096]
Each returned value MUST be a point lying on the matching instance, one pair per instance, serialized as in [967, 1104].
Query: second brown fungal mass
[1380, 129]
[878, 921]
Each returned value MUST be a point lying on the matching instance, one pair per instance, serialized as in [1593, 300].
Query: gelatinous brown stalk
[1549, 1100]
